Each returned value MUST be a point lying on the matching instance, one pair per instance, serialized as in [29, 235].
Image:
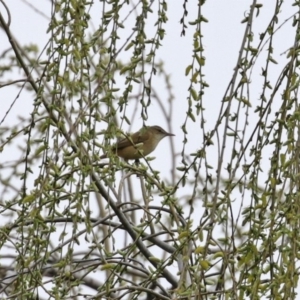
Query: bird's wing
[123, 143]
[136, 139]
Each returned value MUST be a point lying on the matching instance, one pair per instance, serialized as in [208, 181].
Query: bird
[140, 143]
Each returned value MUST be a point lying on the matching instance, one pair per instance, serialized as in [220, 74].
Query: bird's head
[158, 132]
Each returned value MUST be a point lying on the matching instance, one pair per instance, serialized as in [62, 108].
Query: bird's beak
[169, 134]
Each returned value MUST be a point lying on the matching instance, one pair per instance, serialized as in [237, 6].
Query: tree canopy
[212, 213]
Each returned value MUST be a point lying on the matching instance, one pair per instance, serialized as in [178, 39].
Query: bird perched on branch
[140, 143]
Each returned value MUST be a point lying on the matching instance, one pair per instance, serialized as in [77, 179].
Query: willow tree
[212, 214]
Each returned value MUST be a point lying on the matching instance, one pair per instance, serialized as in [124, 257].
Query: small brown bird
[139, 144]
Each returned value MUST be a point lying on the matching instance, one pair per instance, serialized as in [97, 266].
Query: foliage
[223, 224]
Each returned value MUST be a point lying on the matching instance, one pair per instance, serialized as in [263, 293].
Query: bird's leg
[137, 162]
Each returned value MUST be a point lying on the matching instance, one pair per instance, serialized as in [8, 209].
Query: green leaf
[188, 69]
[28, 199]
